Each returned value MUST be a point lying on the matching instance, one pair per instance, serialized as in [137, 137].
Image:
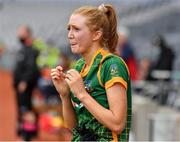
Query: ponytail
[113, 35]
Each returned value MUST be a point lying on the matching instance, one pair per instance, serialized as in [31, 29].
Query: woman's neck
[89, 54]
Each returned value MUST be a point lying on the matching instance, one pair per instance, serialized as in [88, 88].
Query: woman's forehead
[77, 19]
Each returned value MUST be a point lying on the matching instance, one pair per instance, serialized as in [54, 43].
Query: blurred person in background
[125, 50]
[164, 57]
[26, 74]
[47, 58]
[161, 66]
[99, 86]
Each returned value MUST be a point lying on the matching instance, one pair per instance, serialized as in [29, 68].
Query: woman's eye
[76, 29]
[73, 28]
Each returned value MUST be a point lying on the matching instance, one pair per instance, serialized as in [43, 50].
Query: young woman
[96, 94]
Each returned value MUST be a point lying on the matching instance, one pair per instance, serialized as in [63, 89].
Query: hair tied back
[102, 8]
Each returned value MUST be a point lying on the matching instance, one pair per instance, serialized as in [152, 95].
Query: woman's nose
[70, 34]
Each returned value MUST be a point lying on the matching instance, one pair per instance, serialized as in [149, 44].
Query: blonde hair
[102, 18]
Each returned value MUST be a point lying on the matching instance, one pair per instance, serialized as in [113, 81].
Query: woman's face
[79, 35]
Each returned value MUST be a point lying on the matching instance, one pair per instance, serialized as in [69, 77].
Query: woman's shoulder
[112, 58]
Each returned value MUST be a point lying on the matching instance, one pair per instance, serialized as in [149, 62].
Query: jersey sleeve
[114, 70]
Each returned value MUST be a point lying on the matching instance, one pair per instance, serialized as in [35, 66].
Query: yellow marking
[116, 80]
[114, 135]
[104, 53]
[86, 69]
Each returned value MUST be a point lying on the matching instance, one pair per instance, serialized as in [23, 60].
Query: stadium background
[144, 19]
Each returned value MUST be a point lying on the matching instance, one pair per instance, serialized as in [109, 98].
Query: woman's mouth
[73, 44]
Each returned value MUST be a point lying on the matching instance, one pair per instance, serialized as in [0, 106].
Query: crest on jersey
[114, 70]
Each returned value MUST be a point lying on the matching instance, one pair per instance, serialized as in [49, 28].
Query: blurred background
[149, 32]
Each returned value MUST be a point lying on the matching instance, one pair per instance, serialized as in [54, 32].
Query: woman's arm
[69, 115]
[62, 88]
[113, 118]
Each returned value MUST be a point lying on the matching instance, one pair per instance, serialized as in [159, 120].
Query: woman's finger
[69, 74]
[55, 74]
[55, 77]
[68, 81]
[59, 68]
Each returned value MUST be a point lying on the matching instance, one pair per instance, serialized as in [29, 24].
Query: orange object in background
[52, 125]
[45, 73]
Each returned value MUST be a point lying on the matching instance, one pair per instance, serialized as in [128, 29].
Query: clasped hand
[71, 80]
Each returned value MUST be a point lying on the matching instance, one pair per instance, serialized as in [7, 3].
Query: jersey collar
[86, 69]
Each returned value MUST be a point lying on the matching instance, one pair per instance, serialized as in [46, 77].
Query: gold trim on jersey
[114, 135]
[104, 53]
[116, 80]
[86, 68]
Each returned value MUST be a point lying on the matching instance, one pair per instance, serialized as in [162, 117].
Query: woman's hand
[75, 82]
[58, 78]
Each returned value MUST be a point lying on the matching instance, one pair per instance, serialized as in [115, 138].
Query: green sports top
[105, 70]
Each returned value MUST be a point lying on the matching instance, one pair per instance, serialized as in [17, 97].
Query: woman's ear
[97, 35]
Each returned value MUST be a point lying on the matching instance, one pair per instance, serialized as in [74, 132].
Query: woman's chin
[74, 51]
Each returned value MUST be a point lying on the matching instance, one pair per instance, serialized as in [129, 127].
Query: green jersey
[105, 70]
